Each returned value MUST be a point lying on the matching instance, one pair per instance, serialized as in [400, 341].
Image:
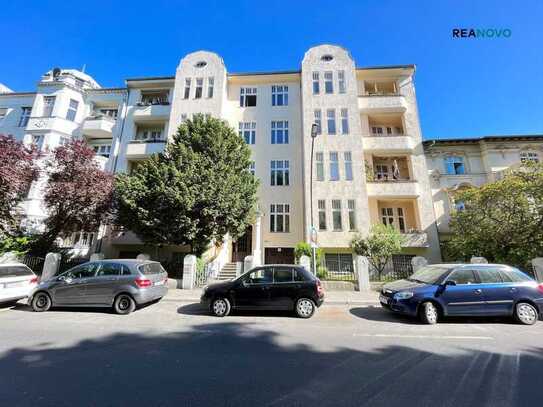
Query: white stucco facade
[369, 165]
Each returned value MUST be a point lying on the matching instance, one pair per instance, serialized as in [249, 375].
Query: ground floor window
[339, 263]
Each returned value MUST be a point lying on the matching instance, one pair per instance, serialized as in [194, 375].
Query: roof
[484, 138]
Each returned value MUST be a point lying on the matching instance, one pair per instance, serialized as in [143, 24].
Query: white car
[16, 282]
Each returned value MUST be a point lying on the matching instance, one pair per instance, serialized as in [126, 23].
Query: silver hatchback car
[121, 284]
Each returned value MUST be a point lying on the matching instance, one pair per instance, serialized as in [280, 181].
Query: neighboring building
[369, 164]
[454, 164]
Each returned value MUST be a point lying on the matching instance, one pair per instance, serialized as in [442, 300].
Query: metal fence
[174, 268]
[339, 267]
[35, 263]
[67, 263]
[399, 267]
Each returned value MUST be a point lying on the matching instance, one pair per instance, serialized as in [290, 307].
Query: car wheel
[41, 302]
[429, 313]
[124, 304]
[305, 308]
[526, 313]
[220, 307]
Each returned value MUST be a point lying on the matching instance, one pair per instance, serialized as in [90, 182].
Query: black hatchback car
[269, 287]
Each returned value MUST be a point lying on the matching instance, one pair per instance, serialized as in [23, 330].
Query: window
[381, 172]
[318, 120]
[109, 269]
[316, 83]
[25, 115]
[489, 276]
[260, 276]
[110, 112]
[513, 275]
[186, 95]
[48, 104]
[319, 159]
[210, 86]
[279, 95]
[389, 130]
[104, 150]
[149, 134]
[393, 217]
[72, 110]
[247, 130]
[328, 82]
[339, 262]
[341, 81]
[336, 214]
[280, 173]
[279, 132]
[347, 156]
[252, 168]
[455, 165]
[3, 113]
[84, 271]
[247, 97]
[83, 239]
[282, 275]
[280, 218]
[376, 130]
[321, 204]
[38, 141]
[331, 119]
[199, 88]
[344, 121]
[529, 157]
[463, 277]
[352, 215]
[154, 97]
[334, 167]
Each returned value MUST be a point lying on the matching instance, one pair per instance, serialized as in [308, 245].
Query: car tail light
[33, 280]
[320, 288]
[540, 288]
[143, 282]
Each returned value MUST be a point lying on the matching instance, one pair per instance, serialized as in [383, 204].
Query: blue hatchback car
[442, 290]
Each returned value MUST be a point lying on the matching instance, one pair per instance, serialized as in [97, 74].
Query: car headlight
[403, 295]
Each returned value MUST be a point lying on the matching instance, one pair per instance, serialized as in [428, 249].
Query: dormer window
[200, 64]
[529, 157]
[327, 58]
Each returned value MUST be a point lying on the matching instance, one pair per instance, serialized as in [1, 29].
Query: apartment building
[456, 164]
[368, 162]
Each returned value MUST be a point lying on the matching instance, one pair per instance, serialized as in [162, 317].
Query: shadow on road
[198, 309]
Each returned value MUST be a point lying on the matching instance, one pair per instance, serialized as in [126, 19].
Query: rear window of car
[15, 271]
[301, 275]
[513, 276]
[489, 276]
[282, 275]
[151, 268]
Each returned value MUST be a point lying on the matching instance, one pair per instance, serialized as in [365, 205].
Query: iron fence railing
[399, 267]
[35, 263]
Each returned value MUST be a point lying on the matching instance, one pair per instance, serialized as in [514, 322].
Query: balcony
[151, 111]
[98, 127]
[142, 149]
[415, 239]
[382, 103]
[393, 189]
[45, 124]
[389, 144]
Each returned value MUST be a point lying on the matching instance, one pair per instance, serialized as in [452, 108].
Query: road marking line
[488, 338]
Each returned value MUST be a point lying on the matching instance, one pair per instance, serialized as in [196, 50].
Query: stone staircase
[228, 272]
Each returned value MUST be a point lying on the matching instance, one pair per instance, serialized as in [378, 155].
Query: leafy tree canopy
[501, 221]
[195, 192]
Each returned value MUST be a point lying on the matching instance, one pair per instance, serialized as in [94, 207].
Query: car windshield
[429, 275]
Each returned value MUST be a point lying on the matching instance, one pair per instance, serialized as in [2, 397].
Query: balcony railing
[144, 148]
[388, 143]
[382, 104]
[415, 238]
[48, 123]
[98, 126]
[393, 188]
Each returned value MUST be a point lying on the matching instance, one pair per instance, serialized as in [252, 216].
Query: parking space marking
[450, 337]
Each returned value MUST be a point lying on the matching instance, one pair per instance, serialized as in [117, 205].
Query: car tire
[429, 313]
[526, 313]
[41, 302]
[305, 308]
[220, 307]
[124, 304]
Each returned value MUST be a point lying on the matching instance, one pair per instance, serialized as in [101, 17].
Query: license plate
[161, 282]
[383, 299]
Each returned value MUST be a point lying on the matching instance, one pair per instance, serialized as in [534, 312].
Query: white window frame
[247, 131]
[342, 88]
[334, 166]
[186, 91]
[394, 217]
[279, 95]
[103, 150]
[317, 113]
[331, 126]
[199, 88]
[348, 164]
[26, 112]
[72, 110]
[319, 163]
[316, 87]
[329, 82]
[351, 207]
[39, 141]
[48, 105]
[244, 93]
[279, 173]
[279, 132]
[321, 205]
[529, 157]
[280, 211]
[210, 87]
[337, 221]
[150, 134]
[344, 113]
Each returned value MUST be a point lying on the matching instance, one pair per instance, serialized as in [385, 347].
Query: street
[173, 353]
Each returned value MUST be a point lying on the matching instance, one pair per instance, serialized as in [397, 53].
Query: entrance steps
[228, 272]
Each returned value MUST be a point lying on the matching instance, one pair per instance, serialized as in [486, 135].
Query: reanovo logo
[481, 32]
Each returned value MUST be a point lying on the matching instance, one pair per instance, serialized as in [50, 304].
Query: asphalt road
[172, 354]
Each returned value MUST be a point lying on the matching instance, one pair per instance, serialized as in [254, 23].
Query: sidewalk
[331, 297]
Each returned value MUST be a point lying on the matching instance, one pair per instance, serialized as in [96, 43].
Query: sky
[465, 87]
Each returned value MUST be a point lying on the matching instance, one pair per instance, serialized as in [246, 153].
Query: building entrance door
[243, 247]
[279, 255]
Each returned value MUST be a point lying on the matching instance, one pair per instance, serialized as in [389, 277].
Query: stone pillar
[418, 262]
[537, 264]
[143, 256]
[248, 263]
[189, 271]
[97, 256]
[257, 252]
[363, 273]
[305, 262]
[50, 266]
[478, 260]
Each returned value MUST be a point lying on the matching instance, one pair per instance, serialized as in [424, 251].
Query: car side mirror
[61, 278]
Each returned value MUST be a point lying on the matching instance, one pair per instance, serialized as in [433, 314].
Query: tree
[17, 171]
[78, 194]
[382, 243]
[304, 249]
[501, 221]
[195, 192]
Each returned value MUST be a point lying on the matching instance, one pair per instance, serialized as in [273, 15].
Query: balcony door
[394, 217]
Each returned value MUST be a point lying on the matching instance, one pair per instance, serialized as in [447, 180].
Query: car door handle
[478, 291]
[513, 289]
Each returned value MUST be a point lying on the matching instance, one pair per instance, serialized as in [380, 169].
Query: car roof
[11, 264]
[126, 261]
[478, 265]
